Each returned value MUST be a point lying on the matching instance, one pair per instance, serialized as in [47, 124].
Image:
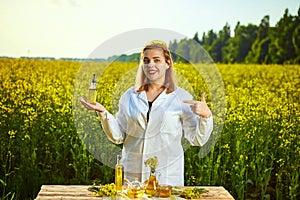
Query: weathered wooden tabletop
[80, 192]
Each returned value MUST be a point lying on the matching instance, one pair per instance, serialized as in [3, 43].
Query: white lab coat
[169, 120]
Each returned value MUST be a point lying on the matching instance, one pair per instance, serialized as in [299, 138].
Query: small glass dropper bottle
[119, 174]
[93, 90]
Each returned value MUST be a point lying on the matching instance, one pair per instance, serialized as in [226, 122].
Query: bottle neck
[118, 159]
[152, 171]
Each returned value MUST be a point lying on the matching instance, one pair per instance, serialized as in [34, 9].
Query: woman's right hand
[96, 107]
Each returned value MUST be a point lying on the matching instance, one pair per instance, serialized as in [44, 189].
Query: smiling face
[155, 66]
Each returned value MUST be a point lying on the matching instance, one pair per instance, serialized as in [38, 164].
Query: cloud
[72, 3]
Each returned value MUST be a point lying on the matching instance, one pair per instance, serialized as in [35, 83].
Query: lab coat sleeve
[113, 126]
[203, 130]
[197, 130]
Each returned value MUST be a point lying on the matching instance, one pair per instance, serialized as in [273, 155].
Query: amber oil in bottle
[119, 174]
[152, 184]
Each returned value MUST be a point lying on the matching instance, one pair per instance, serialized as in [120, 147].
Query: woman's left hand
[199, 107]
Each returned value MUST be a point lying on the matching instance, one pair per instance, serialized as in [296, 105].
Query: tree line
[249, 44]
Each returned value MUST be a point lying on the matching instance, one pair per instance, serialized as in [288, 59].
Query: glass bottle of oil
[152, 183]
[93, 90]
[119, 174]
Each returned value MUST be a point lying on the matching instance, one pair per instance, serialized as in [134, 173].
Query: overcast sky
[74, 28]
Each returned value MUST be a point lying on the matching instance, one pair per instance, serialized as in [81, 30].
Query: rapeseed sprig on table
[192, 193]
[106, 190]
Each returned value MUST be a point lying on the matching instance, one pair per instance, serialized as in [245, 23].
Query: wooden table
[80, 192]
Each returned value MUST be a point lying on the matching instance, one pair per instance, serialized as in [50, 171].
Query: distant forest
[250, 44]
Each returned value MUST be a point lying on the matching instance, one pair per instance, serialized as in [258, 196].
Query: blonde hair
[141, 80]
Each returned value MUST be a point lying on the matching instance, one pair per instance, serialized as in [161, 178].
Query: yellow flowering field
[43, 137]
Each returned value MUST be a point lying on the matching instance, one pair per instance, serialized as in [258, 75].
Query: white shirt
[170, 119]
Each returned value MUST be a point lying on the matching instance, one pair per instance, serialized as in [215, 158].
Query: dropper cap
[93, 83]
[119, 158]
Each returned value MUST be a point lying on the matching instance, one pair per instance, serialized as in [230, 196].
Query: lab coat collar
[142, 95]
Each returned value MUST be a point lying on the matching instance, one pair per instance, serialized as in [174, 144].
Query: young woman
[153, 117]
